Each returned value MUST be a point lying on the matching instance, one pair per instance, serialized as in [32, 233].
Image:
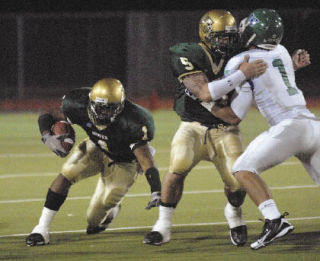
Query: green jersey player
[116, 147]
[201, 135]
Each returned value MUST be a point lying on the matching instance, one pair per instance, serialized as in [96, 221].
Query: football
[64, 128]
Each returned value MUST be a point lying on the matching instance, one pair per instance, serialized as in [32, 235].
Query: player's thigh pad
[86, 160]
[227, 145]
[272, 147]
[111, 188]
[186, 147]
[311, 156]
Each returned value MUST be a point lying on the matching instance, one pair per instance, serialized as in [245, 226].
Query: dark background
[49, 47]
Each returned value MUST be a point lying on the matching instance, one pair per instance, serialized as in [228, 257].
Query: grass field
[200, 232]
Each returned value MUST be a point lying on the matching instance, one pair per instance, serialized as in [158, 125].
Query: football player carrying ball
[117, 147]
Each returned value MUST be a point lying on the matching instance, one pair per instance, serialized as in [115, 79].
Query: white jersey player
[295, 131]
[282, 103]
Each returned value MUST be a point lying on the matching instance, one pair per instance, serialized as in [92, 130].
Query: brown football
[64, 128]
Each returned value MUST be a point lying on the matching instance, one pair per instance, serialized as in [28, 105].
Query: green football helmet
[262, 28]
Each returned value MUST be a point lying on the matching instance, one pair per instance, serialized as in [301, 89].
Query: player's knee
[114, 197]
[69, 172]
[180, 164]
[236, 198]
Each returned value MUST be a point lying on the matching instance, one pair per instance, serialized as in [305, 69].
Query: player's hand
[253, 69]
[300, 59]
[53, 142]
[155, 200]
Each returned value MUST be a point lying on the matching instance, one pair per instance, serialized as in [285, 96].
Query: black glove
[53, 142]
[155, 200]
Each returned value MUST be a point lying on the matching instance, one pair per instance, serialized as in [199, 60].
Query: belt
[219, 126]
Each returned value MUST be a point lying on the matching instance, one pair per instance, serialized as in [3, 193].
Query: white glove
[53, 142]
[155, 200]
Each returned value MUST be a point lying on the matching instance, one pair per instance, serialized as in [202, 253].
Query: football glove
[53, 142]
[155, 200]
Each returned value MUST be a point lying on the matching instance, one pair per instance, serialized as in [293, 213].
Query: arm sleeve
[242, 102]
[233, 78]
[218, 88]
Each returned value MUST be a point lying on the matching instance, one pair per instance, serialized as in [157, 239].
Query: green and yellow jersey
[191, 58]
[132, 128]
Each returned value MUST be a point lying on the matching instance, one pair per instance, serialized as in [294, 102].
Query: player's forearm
[153, 178]
[226, 114]
[219, 88]
[206, 91]
[47, 119]
[45, 122]
[197, 84]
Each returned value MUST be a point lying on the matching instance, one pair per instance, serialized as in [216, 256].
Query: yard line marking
[27, 155]
[147, 227]
[136, 195]
[19, 175]
[22, 175]
[44, 155]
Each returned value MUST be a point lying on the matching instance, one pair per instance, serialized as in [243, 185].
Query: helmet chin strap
[250, 40]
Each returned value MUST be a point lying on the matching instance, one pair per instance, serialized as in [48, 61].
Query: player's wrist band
[153, 177]
[221, 87]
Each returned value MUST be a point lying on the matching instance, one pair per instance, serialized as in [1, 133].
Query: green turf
[22, 197]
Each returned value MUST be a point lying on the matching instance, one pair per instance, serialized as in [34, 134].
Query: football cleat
[238, 228]
[95, 230]
[272, 230]
[159, 235]
[238, 235]
[38, 237]
[153, 238]
[105, 222]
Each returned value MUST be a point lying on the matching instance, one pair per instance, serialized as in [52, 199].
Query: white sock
[165, 216]
[46, 217]
[166, 213]
[269, 209]
[233, 216]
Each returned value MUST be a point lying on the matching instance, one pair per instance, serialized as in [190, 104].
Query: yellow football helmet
[106, 101]
[218, 30]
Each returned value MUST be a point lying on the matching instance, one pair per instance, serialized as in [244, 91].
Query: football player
[282, 103]
[201, 135]
[117, 147]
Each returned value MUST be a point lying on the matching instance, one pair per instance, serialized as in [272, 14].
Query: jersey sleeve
[242, 101]
[142, 128]
[186, 59]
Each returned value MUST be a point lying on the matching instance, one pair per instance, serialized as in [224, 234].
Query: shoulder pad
[233, 64]
[74, 103]
[141, 121]
[184, 49]
[77, 93]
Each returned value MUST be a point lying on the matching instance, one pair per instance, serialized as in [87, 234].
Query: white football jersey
[275, 92]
